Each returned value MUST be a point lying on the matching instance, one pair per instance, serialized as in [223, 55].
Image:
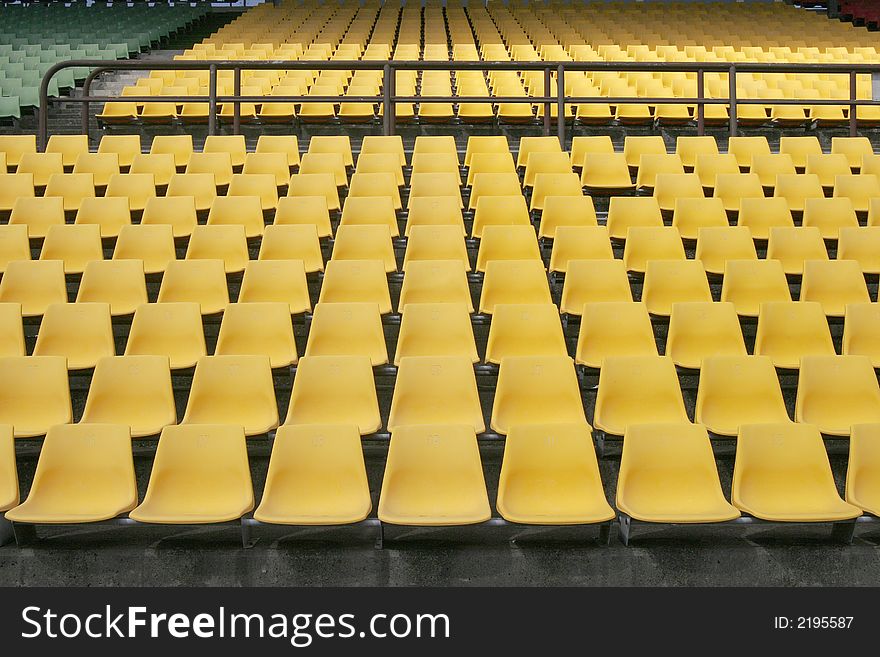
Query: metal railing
[389, 97]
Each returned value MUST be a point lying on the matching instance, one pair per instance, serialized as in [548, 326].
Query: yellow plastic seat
[235, 390]
[593, 281]
[227, 243]
[35, 284]
[647, 243]
[828, 166]
[768, 167]
[315, 184]
[37, 214]
[797, 188]
[41, 166]
[545, 162]
[40, 396]
[584, 146]
[347, 329]
[85, 473]
[217, 164]
[560, 211]
[536, 390]
[14, 146]
[261, 185]
[356, 281]
[74, 245]
[198, 186]
[160, 165]
[493, 184]
[853, 148]
[304, 210]
[152, 244]
[736, 390]
[507, 243]
[861, 472]
[760, 215]
[668, 282]
[375, 184]
[635, 147]
[200, 475]
[861, 331]
[485, 144]
[689, 149]
[669, 187]
[717, 245]
[178, 212]
[859, 189]
[423, 163]
[370, 210]
[316, 477]
[435, 281]
[276, 281]
[138, 188]
[81, 332]
[490, 162]
[507, 210]
[631, 212]
[436, 243]
[13, 187]
[794, 246]
[365, 242]
[554, 184]
[199, 281]
[9, 495]
[579, 243]
[293, 242]
[275, 164]
[134, 391]
[72, 188]
[433, 477]
[782, 474]
[332, 163]
[749, 283]
[800, 148]
[653, 164]
[243, 211]
[14, 245]
[103, 166]
[328, 389]
[109, 214]
[172, 330]
[529, 145]
[701, 330]
[125, 147]
[70, 147]
[709, 166]
[514, 281]
[692, 214]
[436, 329]
[550, 476]
[431, 388]
[829, 215]
[340, 144]
[433, 184]
[606, 173]
[381, 144]
[790, 331]
[381, 163]
[434, 211]
[837, 392]
[834, 284]
[180, 146]
[11, 330]
[258, 329]
[232, 144]
[668, 475]
[525, 330]
[745, 148]
[286, 144]
[614, 328]
[637, 390]
[734, 188]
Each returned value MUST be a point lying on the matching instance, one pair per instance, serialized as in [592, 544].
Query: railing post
[387, 107]
[212, 99]
[701, 108]
[547, 105]
[560, 102]
[236, 89]
[853, 108]
[731, 83]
